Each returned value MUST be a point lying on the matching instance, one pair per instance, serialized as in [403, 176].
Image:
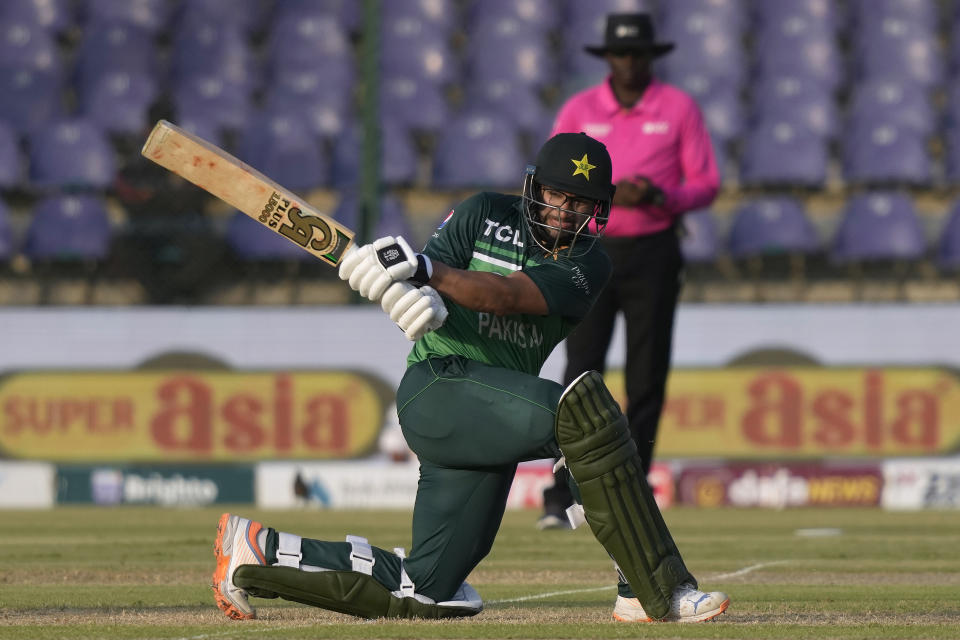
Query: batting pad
[350, 592]
[617, 501]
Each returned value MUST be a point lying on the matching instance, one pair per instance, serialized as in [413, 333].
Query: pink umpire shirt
[662, 137]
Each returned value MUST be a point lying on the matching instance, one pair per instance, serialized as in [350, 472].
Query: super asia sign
[189, 416]
[808, 412]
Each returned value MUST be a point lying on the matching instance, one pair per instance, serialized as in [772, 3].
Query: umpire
[663, 166]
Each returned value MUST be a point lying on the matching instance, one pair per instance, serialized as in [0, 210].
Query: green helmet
[567, 193]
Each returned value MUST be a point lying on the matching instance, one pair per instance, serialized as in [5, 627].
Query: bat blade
[241, 186]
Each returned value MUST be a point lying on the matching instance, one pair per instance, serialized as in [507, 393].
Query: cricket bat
[240, 185]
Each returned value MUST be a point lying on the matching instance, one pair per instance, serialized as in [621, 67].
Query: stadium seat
[718, 54]
[398, 156]
[214, 49]
[519, 57]
[11, 162]
[540, 16]
[894, 100]
[282, 147]
[246, 15]
[415, 103]
[68, 228]
[73, 153]
[952, 154]
[298, 42]
[52, 15]
[521, 104]
[478, 149]
[27, 46]
[879, 226]
[347, 13]
[210, 98]
[919, 13]
[412, 54]
[804, 54]
[31, 99]
[199, 125]
[798, 99]
[878, 152]
[897, 47]
[771, 225]
[782, 153]
[119, 101]
[440, 15]
[151, 15]
[106, 47]
[825, 14]
[720, 103]
[323, 98]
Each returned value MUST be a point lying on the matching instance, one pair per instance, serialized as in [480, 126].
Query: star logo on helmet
[583, 166]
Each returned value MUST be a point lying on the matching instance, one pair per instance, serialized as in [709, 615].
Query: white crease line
[719, 576]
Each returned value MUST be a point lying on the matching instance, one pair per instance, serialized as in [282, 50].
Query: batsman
[501, 282]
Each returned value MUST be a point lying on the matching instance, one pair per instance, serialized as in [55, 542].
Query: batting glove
[372, 268]
[416, 310]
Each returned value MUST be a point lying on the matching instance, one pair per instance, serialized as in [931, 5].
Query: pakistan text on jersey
[523, 334]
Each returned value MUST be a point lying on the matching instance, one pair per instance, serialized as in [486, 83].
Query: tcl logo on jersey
[503, 233]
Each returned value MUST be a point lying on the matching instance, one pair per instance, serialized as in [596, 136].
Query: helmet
[567, 193]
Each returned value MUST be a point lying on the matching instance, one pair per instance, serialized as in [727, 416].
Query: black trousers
[645, 286]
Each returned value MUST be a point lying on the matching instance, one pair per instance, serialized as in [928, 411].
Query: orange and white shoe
[236, 546]
[687, 605]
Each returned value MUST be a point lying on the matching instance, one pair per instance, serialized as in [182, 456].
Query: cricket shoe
[236, 546]
[687, 605]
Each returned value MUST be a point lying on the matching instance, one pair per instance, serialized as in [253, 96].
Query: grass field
[144, 573]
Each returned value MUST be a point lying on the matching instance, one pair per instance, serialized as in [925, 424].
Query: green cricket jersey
[487, 232]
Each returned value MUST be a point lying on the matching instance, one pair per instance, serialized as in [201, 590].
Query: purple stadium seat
[700, 242]
[243, 14]
[11, 163]
[718, 54]
[151, 15]
[72, 153]
[393, 216]
[53, 15]
[540, 16]
[782, 153]
[250, 240]
[897, 47]
[683, 19]
[414, 103]
[27, 46]
[115, 46]
[879, 226]
[7, 241]
[413, 55]
[321, 97]
[441, 15]
[896, 100]
[825, 14]
[347, 13]
[68, 227]
[948, 249]
[199, 125]
[952, 153]
[119, 101]
[31, 99]
[879, 151]
[720, 103]
[298, 42]
[214, 49]
[282, 147]
[797, 99]
[814, 56]
[398, 156]
[772, 225]
[521, 104]
[921, 13]
[522, 59]
[210, 98]
[478, 149]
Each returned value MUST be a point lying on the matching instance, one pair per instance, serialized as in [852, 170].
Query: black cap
[576, 163]
[628, 32]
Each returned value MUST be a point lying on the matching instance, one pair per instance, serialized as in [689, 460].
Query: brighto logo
[175, 490]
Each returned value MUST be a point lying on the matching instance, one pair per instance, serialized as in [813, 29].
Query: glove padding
[372, 268]
[416, 310]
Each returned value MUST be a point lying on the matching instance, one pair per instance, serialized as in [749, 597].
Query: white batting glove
[375, 266]
[417, 311]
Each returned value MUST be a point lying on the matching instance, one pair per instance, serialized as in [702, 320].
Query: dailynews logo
[656, 127]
